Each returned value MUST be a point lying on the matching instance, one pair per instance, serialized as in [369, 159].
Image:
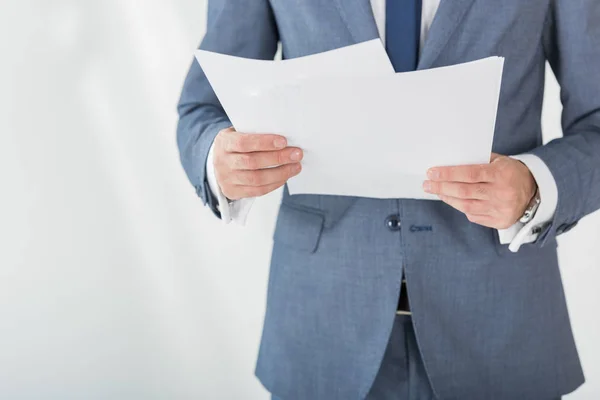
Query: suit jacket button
[393, 223]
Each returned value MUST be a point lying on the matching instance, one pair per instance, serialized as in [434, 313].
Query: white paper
[371, 135]
[232, 77]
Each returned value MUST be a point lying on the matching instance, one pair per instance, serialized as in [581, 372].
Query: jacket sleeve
[243, 28]
[572, 47]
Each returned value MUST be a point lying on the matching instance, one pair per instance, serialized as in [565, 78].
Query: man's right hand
[252, 165]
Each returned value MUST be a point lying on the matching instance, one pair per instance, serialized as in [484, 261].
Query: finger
[479, 191]
[241, 192]
[264, 159]
[470, 207]
[483, 220]
[236, 142]
[464, 173]
[266, 176]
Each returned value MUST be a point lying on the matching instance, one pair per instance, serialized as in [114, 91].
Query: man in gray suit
[487, 317]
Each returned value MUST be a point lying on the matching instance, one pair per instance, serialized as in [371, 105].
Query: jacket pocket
[298, 228]
[332, 208]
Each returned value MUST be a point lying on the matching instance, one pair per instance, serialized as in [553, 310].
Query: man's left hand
[494, 195]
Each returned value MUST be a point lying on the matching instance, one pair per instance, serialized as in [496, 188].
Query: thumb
[495, 156]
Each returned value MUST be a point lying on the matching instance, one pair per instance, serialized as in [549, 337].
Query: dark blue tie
[403, 33]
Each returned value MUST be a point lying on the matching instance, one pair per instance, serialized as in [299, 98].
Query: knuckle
[217, 161]
[435, 187]
[223, 133]
[480, 173]
[219, 140]
[469, 208]
[220, 146]
[251, 191]
[473, 174]
[480, 190]
[226, 142]
[222, 178]
[237, 162]
[463, 191]
[251, 178]
[224, 167]
[239, 143]
[504, 174]
[262, 178]
[281, 157]
[248, 161]
[219, 176]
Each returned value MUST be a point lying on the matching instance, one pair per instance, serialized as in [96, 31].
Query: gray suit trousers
[402, 375]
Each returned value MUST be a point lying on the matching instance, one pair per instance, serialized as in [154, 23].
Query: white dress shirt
[515, 236]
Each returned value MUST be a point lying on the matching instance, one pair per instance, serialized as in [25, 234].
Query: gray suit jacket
[490, 324]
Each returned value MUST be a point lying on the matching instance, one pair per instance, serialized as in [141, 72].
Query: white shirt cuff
[237, 210]
[520, 233]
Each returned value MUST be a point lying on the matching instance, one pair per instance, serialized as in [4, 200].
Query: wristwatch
[532, 208]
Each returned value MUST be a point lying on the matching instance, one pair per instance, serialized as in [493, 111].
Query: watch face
[526, 217]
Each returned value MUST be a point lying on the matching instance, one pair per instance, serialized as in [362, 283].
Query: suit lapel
[447, 19]
[358, 17]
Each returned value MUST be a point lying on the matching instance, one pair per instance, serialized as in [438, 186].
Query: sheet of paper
[232, 77]
[368, 132]
[377, 136]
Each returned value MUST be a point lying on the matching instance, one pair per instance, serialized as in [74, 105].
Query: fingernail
[280, 143]
[427, 186]
[297, 168]
[296, 155]
[433, 173]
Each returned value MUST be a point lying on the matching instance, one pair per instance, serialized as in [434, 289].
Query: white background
[110, 286]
